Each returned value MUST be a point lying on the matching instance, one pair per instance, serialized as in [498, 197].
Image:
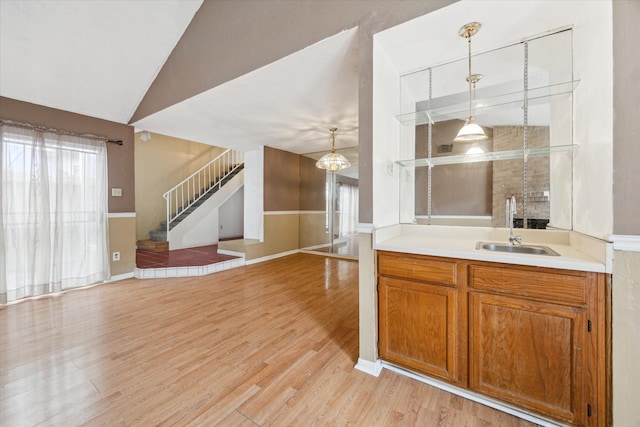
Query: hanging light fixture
[333, 161]
[474, 149]
[471, 131]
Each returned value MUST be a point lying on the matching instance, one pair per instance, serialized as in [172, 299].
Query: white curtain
[348, 205]
[53, 212]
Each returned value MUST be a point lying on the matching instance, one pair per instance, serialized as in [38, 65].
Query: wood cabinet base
[531, 337]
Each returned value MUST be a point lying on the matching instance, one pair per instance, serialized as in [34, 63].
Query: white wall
[386, 137]
[229, 217]
[593, 118]
[254, 194]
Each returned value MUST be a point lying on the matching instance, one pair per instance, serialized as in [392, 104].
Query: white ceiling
[96, 58]
[289, 104]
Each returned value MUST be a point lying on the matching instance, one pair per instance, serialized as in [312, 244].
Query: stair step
[158, 235]
[153, 246]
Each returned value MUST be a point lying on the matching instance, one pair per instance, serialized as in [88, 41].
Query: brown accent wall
[312, 185]
[626, 105]
[463, 189]
[281, 180]
[120, 157]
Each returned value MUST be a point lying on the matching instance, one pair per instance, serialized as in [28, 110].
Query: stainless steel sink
[517, 249]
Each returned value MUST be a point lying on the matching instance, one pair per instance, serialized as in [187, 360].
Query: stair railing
[191, 189]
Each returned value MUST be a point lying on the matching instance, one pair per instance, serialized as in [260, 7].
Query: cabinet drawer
[565, 287]
[416, 267]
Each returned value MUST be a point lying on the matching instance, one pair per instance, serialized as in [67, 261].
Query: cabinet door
[530, 354]
[419, 327]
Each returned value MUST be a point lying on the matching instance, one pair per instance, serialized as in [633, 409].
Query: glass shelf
[487, 104]
[487, 157]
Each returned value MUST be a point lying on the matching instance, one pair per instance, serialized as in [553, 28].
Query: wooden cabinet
[530, 337]
[420, 325]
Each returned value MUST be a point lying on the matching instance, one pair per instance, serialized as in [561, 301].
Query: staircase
[183, 199]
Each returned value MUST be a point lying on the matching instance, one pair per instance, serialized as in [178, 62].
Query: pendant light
[471, 131]
[333, 161]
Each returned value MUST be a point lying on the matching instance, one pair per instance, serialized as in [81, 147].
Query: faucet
[511, 209]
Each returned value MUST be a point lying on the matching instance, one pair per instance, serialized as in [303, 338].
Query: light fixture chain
[429, 150]
[469, 79]
[525, 135]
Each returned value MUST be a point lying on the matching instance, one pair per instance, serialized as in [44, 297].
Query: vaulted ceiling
[99, 58]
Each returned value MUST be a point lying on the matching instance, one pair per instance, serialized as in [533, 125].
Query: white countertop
[577, 252]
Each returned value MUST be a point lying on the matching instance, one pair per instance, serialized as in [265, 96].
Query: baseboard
[365, 228]
[368, 367]
[311, 248]
[118, 277]
[274, 256]
[230, 253]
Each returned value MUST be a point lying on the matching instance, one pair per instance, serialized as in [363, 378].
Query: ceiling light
[471, 131]
[333, 161]
[474, 149]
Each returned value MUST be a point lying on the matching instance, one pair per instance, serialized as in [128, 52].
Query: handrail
[191, 189]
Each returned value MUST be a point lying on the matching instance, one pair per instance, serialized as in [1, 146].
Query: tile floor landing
[184, 262]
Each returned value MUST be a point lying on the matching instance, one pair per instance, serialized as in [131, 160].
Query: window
[53, 222]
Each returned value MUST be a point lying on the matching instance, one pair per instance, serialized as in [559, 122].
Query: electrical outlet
[115, 256]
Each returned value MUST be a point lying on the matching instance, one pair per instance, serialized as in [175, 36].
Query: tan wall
[368, 299]
[122, 238]
[625, 341]
[161, 163]
[313, 230]
[281, 234]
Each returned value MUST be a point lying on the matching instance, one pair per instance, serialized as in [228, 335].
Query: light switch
[116, 192]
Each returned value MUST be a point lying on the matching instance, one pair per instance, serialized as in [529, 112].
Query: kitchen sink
[517, 249]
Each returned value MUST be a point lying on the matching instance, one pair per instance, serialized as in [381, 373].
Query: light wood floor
[268, 344]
